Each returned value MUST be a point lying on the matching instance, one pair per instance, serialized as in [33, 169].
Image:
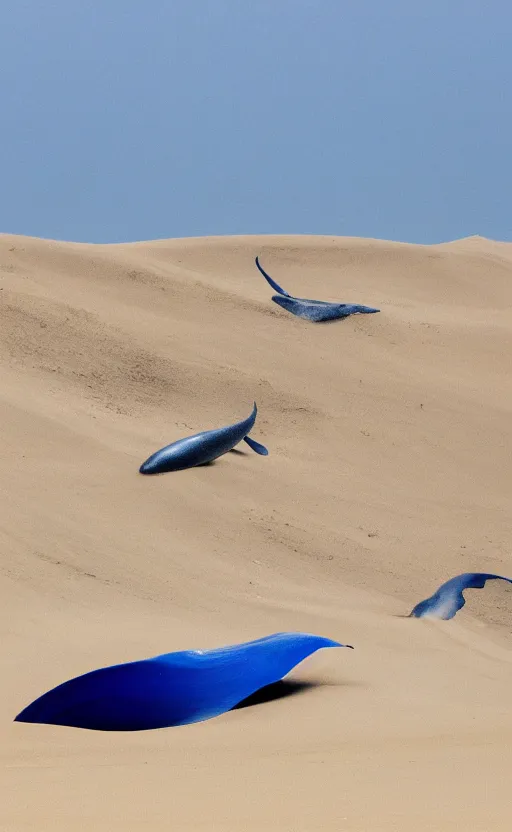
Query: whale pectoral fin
[259, 449]
[269, 280]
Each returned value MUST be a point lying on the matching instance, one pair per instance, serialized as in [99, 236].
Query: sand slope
[389, 471]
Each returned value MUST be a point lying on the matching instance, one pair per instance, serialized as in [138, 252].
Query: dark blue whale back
[321, 310]
[198, 449]
[172, 689]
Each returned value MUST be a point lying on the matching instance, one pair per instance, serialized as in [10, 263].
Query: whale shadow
[288, 687]
[277, 690]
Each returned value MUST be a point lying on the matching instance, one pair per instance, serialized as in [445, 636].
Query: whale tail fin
[267, 277]
[259, 449]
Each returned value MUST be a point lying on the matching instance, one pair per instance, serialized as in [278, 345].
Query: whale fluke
[448, 599]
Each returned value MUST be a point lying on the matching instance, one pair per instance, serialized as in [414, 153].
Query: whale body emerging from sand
[172, 689]
[313, 310]
[448, 600]
[202, 447]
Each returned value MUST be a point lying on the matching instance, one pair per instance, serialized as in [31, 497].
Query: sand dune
[389, 472]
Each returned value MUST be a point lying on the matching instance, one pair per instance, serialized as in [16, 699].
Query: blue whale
[172, 689]
[202, 447]
[448, 600]
[313, 310]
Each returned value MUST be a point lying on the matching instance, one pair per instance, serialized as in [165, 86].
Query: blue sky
[129, 120]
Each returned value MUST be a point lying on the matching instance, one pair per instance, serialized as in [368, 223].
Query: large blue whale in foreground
[202, 447]
[313, 310]
[448, 600]
[175, 688]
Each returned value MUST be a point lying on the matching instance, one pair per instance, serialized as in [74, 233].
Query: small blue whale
[313, 310]
[448, 600]
[202, 447]
[172, 689]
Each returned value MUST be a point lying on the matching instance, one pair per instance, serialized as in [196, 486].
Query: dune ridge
[389, 472]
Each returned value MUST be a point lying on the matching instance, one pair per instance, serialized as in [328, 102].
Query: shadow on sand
[277, 690]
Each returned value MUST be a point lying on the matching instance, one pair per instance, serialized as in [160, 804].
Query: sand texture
[389, 472]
